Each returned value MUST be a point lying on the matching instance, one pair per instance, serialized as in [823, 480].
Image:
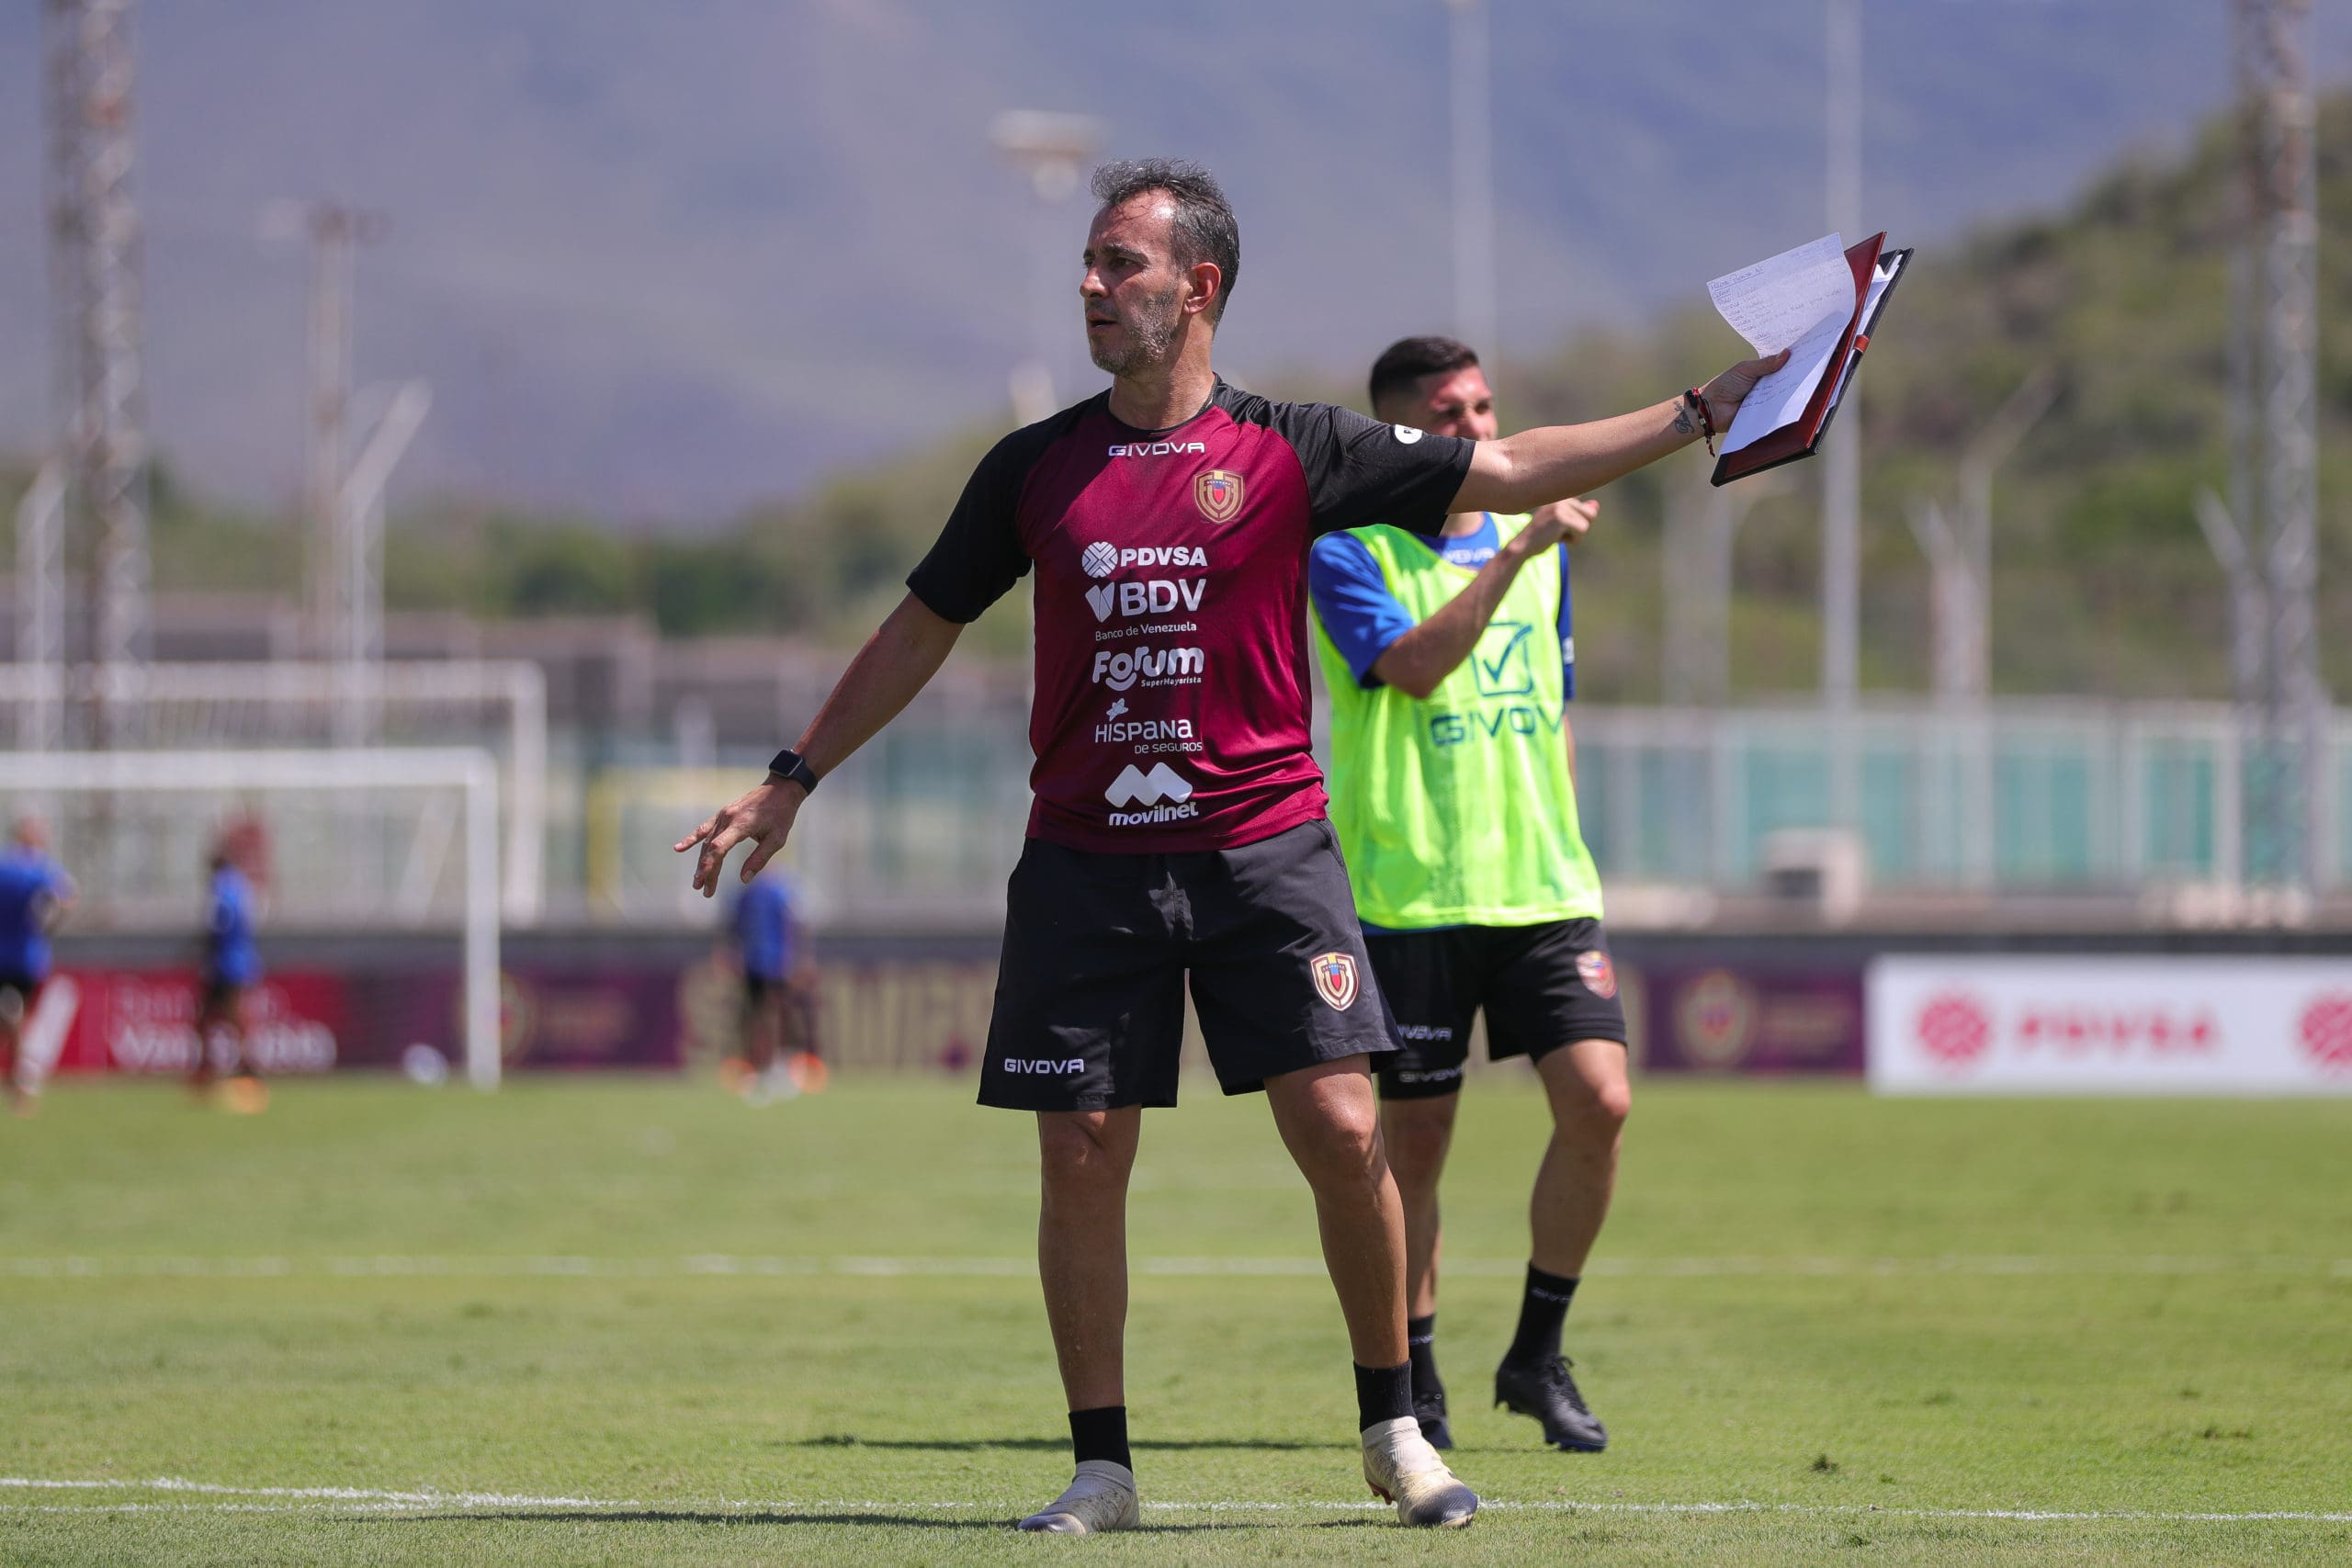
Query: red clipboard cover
[1802, 437]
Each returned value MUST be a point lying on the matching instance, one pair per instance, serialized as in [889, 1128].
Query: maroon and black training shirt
[1171, 663]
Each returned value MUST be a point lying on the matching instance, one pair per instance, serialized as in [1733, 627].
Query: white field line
[359, 1499]
[721, 1265]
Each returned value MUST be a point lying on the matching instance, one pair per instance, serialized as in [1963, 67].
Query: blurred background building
[618, 389]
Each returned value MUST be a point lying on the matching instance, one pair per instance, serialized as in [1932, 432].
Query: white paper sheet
[1800, 300]
[1775, 302]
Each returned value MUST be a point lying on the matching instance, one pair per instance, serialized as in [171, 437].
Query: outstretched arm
[1417, 662]
[896, 663]
[1535, 467]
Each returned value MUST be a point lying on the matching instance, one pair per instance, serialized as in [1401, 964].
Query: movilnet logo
[1100, 560]
[1598, 975]
[1218, 494]
[1335, 978]
[2325, 1030]
[1134, 786]
[1954, 1029]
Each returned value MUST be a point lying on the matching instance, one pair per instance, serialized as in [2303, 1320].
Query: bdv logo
[1158, 597]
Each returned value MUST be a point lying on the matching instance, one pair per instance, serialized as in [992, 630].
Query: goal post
[365, 836]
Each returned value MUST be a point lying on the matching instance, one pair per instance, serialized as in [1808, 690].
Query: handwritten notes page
[1800, 300]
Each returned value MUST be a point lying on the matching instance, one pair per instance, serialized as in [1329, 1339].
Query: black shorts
[218, 996]
[1542, 986]
[18, 994]
[1090, 994]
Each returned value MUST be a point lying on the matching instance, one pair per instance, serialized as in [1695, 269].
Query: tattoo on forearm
[1683, 423]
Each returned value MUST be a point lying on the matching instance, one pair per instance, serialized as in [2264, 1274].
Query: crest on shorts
[1599, 976]
[1218, 494]
[1335, 978]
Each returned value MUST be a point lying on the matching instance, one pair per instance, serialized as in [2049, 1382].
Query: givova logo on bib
[1152, 666]
[1101, 559]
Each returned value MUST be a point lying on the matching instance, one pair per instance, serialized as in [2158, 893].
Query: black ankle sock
[1382, 1393]
[1420, 1343]
[1100, 1433]
[1542, 1310]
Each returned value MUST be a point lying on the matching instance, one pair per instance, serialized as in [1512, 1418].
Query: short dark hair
[1204, 230]
[1409, 359]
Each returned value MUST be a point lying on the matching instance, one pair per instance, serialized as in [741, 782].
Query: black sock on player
[1384, 1394]
[1421, 1344]
[1100, 1433]
[1543, 1310]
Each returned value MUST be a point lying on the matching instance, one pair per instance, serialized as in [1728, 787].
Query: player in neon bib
[1451, 662]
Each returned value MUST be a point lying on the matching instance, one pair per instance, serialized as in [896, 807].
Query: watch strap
[790, 764]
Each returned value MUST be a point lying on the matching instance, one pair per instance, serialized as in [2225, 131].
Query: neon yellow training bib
[1458, 809]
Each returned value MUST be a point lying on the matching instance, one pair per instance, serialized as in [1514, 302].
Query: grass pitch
[627, 1322]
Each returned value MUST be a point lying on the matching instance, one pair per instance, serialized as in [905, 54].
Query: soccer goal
[359, 841]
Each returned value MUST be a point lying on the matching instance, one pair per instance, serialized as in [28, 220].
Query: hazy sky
[661, 261]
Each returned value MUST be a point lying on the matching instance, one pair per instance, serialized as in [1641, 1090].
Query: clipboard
[1876, 272]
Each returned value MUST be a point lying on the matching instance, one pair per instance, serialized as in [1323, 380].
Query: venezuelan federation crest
[1335, 978]
[1218, 494]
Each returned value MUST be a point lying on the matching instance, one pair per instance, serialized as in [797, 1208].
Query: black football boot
[1545, 1391]
[1429, 1409]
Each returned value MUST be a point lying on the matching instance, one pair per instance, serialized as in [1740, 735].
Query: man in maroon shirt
[1179, 824]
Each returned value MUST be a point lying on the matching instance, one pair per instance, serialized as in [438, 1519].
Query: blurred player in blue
[34, 891]
[776, 1056]
[230, 969]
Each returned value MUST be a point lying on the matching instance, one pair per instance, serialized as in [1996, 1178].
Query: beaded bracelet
[1706, 421]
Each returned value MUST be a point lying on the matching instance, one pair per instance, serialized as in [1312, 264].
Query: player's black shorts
[219, 995]
[1542, 986]
[19, 991]
[1090, 994]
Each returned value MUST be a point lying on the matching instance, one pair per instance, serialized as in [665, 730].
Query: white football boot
[1101, 1497]
[1401, 1468]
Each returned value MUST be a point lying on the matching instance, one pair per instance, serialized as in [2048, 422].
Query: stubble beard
[1150, 337]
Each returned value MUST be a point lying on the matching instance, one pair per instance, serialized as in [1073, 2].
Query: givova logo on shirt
[1173, 666]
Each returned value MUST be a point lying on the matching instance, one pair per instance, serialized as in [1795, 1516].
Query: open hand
[1728, 390]
[764, 815]
[1562, 522]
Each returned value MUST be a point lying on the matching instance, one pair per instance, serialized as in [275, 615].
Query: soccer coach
[1179, 825]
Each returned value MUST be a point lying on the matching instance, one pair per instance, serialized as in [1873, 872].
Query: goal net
[396, 846]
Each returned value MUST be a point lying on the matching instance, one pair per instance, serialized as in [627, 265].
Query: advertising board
[2110, 1025]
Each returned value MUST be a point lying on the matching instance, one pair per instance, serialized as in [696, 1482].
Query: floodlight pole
[1475, 307]
[1841, 478]
[2279, 419]
[1703, 528]
[40, 608]
[1053, 150]
[95, 258]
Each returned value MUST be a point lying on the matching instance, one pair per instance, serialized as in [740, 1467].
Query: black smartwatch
[791, 766]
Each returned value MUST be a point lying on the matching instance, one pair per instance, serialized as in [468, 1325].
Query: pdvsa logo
[1152, 666]
[1954, 1029]
[1101, 559]
[1157, 448]
[1165, 794]
[2325, 1030]
[1160, 596]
